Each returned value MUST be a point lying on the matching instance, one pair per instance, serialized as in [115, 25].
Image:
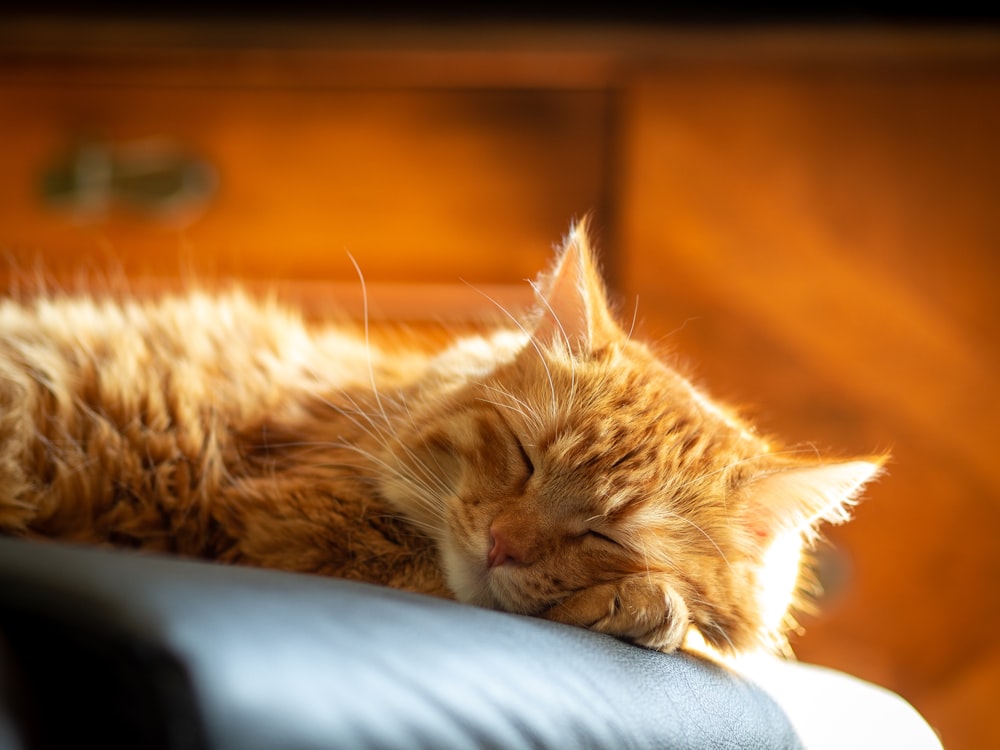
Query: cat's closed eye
[600, 537]
[529, 465]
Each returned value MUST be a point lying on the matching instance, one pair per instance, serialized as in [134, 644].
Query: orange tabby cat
[558, 469]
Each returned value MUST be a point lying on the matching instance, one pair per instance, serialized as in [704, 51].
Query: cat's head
[573, 474]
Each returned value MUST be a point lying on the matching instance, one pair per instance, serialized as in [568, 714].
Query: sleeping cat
[553, 467]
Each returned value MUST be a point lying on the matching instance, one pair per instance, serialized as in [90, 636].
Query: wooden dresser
[271, 154]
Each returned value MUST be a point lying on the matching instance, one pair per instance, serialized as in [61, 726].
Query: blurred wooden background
[808, 218]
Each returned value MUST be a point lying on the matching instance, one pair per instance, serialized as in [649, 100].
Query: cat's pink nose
[500, 551]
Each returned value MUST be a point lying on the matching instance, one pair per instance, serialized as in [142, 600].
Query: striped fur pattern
[552, 467]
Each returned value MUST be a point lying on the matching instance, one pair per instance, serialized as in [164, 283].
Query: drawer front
[420, 186]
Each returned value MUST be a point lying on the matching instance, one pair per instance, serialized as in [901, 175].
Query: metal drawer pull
[154, 178]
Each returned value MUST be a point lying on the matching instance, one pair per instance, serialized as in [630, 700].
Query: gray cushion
[120, 649]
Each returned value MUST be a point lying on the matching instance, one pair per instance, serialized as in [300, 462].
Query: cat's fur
[554, 468]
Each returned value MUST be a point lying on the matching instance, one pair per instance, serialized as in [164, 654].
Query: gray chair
[114, 649]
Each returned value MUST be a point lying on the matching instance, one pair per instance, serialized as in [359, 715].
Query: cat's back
[105, 398]
[228, 348]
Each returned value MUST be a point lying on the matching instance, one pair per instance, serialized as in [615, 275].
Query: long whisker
[429, 482]
[372, 429]
[565, 336]
[522, 407]
[438, 478]
[424, 493]
[509, 407]
[531, 341]
[718, 630]
[704, 533]
[388, 441]
[368, 349]
[430, 529]
[635, 317]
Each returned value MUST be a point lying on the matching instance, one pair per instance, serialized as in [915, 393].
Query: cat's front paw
[639, 609]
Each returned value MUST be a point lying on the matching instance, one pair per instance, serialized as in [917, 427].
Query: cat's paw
[639, 609]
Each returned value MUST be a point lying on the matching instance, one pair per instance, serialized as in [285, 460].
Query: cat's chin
[478, 584]
[468, 582]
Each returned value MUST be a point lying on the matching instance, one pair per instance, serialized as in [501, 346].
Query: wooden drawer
[420, 185]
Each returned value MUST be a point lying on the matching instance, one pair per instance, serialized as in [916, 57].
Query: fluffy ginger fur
[554, 467]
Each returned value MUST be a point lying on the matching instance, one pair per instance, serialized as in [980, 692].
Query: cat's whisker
[388, 441]
[424, 493]
[429, 477]
[718, 630]
[636, 543]
[285, 444]
[646, 557]
[566, 340]
[438, 478]
[368, 347]
[523, 407]
[531, 342]
[635, 317]
[373, 430]
[391, 440]
[500, 405]
[432, 530]
[704, 533]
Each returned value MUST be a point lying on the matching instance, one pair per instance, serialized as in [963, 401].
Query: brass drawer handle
[154, 178]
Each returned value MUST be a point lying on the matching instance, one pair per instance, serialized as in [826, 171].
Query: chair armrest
[133, 650]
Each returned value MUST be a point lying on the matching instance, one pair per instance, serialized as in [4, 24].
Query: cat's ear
[573, 303]
[799, 498]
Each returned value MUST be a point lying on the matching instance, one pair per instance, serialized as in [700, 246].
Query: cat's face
[579, 478]
[613, 473]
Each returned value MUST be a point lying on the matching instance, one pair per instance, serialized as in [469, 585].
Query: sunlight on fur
[552, 466]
